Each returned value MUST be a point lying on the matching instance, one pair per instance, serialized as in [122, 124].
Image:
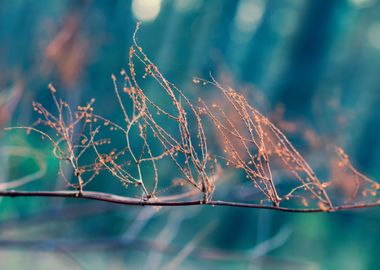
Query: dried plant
[253, 144]
[183, 143]
[71, 140]
[166, 126]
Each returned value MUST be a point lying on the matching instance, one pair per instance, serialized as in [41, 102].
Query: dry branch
[110, 198]
[174, 130]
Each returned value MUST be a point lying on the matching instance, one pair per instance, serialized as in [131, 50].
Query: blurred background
[309, 65]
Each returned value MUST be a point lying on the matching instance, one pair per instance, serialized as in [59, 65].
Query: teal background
[320, 60]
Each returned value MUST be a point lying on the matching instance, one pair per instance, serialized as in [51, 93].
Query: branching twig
[174, 130]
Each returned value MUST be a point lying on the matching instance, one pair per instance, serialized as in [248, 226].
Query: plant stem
[116, 199]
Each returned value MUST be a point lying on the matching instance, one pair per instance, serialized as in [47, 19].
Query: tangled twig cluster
[172, 129]
[253, 144]
[185, 148]
[72, 139]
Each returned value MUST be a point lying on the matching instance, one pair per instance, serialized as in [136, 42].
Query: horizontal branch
[116, 199]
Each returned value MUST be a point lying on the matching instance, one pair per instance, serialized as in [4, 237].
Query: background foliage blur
[313, 63]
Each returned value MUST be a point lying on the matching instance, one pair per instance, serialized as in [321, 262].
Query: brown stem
[110, 198]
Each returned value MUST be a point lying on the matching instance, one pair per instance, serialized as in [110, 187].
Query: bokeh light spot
[249, 15]
[146, 10]
[373, 35]
[362, 3]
